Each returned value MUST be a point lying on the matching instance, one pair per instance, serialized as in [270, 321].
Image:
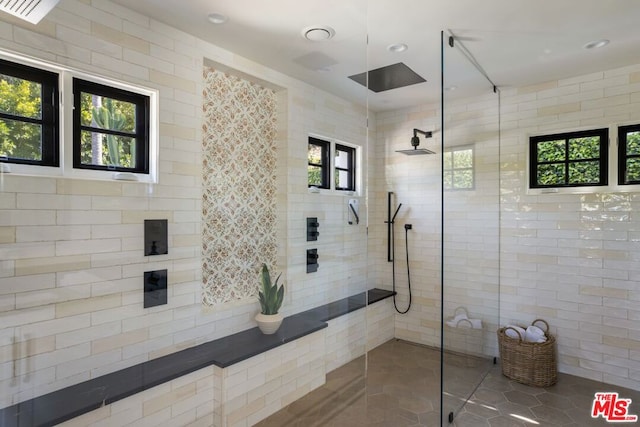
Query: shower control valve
[312, 229]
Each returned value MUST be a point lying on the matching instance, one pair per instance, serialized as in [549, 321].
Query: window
[629, 155]
[29, 131]
[345, 165]
[326, 155]
[318, 158]
[458, 169]
[55, 121]
[570, 159]
[110, 128]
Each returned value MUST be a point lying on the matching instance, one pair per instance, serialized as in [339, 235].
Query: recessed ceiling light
[318, 33]
[596, 44]
[397, 47]
[217, 18]
[451, 88]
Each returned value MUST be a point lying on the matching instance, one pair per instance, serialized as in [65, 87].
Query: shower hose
[393, 267]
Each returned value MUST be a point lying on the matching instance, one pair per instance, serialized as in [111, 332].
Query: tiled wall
[571, 259]
[71, 251]
[342, 248]
[471, 218]
[415, 182]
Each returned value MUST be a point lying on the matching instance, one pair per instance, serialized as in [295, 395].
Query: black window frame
[453, 169]
[50, 113]
[623, 156]
[603, 160]
[324, 166]
[350, 169]
[142, 127]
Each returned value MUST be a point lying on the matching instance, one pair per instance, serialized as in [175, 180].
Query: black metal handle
[354, 213]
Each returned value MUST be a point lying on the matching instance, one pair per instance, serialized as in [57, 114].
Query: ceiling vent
[29, 10]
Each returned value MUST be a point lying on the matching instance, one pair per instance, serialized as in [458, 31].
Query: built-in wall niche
[239, 212]
[155, 237]
[155, 288]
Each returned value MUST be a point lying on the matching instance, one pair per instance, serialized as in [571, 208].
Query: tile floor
[402, 389]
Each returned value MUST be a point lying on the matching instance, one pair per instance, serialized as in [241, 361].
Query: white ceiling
[517, 42]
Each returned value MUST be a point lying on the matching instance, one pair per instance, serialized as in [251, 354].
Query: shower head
[416, 151]
[415, 141]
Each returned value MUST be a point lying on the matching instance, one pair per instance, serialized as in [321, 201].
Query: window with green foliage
[111, 128]
[29, 115]
[345, 168]
[318, 163]
[458, 169]
[629, 155]
[571, 159]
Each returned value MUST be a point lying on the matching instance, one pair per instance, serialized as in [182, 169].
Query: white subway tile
[93, 246]
[49, 233]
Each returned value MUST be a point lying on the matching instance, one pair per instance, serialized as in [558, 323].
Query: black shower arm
[426, 134]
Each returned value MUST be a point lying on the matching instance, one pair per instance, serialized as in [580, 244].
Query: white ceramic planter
[269, 323]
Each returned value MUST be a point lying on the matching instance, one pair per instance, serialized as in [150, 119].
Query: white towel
[459, 317]
[534, 334]
[476, 323]
[513, 334]
[535, 330]
[451, 323]
[464, 323]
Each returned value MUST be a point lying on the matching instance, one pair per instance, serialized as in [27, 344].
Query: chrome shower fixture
[415, 142]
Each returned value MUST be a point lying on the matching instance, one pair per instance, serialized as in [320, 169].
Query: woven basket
[526, 362]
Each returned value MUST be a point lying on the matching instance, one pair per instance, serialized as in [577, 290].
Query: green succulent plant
[270, 295]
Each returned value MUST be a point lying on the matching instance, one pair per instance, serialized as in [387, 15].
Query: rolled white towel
[451, 323]
[476, 323]
[534, 334]
[464, 324]
[513, 334]
[535, 330]
[459, 317]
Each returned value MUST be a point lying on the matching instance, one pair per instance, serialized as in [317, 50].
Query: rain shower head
[416, 151]
[415, 142]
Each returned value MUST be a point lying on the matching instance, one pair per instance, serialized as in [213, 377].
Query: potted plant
[270, 297]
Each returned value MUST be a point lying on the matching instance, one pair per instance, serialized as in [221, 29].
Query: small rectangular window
[110, 128]
[458, 169]
[345, 166]
[629, 155]
[571, 159]
[29, 112]
[318, 163]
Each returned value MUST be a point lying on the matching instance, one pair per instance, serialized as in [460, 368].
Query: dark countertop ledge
[75, 400]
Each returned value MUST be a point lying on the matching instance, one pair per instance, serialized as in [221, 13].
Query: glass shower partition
[470, 226]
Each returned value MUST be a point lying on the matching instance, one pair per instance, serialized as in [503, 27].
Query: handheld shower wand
[391, 250]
